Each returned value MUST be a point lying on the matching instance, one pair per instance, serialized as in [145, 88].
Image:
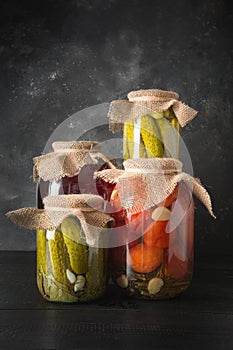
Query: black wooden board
[200, 318]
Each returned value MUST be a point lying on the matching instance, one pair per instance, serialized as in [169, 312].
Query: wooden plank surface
[201, 317]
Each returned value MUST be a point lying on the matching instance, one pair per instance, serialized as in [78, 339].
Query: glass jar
[83, 182]
[156, 261]
[71, 256]
[69, 268]
[152, 135]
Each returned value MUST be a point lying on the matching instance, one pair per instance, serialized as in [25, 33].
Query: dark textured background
[58, 57]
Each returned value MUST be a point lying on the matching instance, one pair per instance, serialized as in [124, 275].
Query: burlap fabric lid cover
[147, 182]
[142, 102]
[85, 207]
[67, 159]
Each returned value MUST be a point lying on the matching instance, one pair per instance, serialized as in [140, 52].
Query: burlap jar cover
[68, 159]
[86, 207]
[142, 102]
[147, 182]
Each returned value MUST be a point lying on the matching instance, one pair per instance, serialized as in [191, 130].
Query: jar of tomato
[70, 169]
[154, 211]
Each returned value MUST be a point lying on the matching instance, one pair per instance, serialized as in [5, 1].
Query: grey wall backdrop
[58, 57]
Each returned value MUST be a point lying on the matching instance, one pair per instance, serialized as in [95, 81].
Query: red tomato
[176, 268]
[134, 243]
[170, 199]
[178, 250]
[163, 241]
[185, 229]
[156, 235]
[138, 222]
[145, 259]
[115, 203]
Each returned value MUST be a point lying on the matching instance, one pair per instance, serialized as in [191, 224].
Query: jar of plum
[70, 169]
[153, 210]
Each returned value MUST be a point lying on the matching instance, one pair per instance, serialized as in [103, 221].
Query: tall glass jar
[151, 121]
[81, 181]
[156, 262]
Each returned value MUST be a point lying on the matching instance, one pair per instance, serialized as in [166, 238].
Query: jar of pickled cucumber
[151, 121]
[71, 259]
[153, 210]
[70, 169]
[152, 135]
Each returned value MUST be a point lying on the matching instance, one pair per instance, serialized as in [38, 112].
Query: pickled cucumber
[78, 256]
[58, 253]
[163, 128]
[75, 242]
[41, 251]
[149, 130]
[72, 229]
[167, 135]
[176, 125]
[156, 136]
[58, 257]
[96, 276]
[129, 142]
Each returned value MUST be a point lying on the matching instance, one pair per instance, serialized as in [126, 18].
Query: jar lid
[154, 165]
[86, 207]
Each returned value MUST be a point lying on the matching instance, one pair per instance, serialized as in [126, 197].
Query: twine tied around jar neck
[153, 165]
[69, 146]
[145, 183]
[68, 159]
[84, 202]
[142, 102]
[86, 207]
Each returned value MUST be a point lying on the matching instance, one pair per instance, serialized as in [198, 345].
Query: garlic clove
[71, 276]
[122, 281]
[161, 214]
[80, 283]
[154, 285]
